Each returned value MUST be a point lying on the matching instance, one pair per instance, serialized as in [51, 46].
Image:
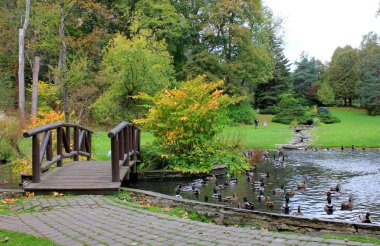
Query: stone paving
[98, 220]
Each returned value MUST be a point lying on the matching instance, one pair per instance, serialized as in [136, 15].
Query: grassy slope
[260, 138]
[356, 128]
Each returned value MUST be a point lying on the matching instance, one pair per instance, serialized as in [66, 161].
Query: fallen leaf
[227, 232]
[264, 229]
[29, 194]
[8, 200]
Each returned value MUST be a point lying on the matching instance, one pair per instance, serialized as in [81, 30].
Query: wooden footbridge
[58, 151]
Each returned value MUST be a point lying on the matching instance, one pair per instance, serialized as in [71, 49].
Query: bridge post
[76, 143]
[36, 165]
[59, 145]
[115, 159]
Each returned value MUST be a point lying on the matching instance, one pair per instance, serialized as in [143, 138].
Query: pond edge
[229, 216]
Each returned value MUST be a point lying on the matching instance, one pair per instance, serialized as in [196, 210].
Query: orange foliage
[44, 118]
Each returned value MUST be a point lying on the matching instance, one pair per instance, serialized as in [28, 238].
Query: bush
[241, 113]
[10, 134]
[185, 122]
[270, 110]
[323, 110]
[328, 118]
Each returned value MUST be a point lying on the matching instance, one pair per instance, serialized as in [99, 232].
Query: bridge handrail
[81, 145]
[125, 143]
[53, 126]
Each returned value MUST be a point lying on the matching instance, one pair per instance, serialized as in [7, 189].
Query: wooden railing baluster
[40, 150]
[124, 144]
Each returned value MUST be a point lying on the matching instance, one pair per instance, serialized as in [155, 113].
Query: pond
[8, 180]
[357, 172]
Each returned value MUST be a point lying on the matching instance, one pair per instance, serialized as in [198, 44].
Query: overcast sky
[320, 26]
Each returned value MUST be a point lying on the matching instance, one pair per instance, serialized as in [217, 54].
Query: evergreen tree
[305, 75]
[267, 94]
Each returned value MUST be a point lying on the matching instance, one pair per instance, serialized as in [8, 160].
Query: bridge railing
[125, 147]
[65, 148]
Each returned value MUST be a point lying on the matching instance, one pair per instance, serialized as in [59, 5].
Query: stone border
[222, 214]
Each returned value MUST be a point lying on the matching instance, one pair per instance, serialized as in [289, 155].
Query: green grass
[356, 128]
[355, 238]
[262, 138]
[17, 238]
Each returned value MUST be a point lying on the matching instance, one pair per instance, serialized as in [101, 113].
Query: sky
[318, 27]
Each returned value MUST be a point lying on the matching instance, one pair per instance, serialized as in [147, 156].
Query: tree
[368, 86]
[236, 31]
[306, 74]
[36, 69]
[325, 93]
[267, 94]
[342, 73]
[130, 66]
[21, 62]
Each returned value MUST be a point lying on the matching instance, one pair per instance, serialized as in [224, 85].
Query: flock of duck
[258, 187]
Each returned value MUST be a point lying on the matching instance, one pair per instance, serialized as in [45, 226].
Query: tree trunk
[21, 66]
[36, 69]
[350, 102]
[62, 63]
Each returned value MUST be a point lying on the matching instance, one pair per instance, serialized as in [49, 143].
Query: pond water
[357, 172]
[8, 180]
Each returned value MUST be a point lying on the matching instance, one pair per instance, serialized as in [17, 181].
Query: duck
[217, 196]
[335, 188]
[329, 205]
[3, 182]
[260, 197]
[23, 183]
[347, 205]
[231, 199]
[290, 192]
[247, 204]
[279, 191]
[302, 185]
[298, 213]
[286, 206]
[269, 203]
[365, 218]
[232, 181]
[178, 191]
[211, 178]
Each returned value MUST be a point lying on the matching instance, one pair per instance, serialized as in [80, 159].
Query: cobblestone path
[98, 220]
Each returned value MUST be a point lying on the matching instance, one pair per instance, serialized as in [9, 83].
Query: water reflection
[357, 172]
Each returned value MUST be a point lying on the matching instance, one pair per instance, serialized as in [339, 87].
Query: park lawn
[261, 138]
[356, 128]
[101, 144]
[18, 238]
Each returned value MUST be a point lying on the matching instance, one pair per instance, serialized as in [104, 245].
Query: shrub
[270, 110]
[323, 110]
[185, 122]
[10, 134]
[241, 113]
[328, 118]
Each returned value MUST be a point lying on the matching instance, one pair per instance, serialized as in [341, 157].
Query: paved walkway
[98, 220]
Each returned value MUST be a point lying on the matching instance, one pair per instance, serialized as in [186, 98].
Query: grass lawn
[18, 238]
[356, 128]
[262, 138]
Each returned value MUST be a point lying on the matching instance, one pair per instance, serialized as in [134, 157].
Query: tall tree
[267, 94]
[306, 74]
[236, 31]
[368, 86]
[342, 73]
[21, 63]
[36, 69]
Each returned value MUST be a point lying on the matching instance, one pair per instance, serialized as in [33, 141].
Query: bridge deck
[94, 177]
